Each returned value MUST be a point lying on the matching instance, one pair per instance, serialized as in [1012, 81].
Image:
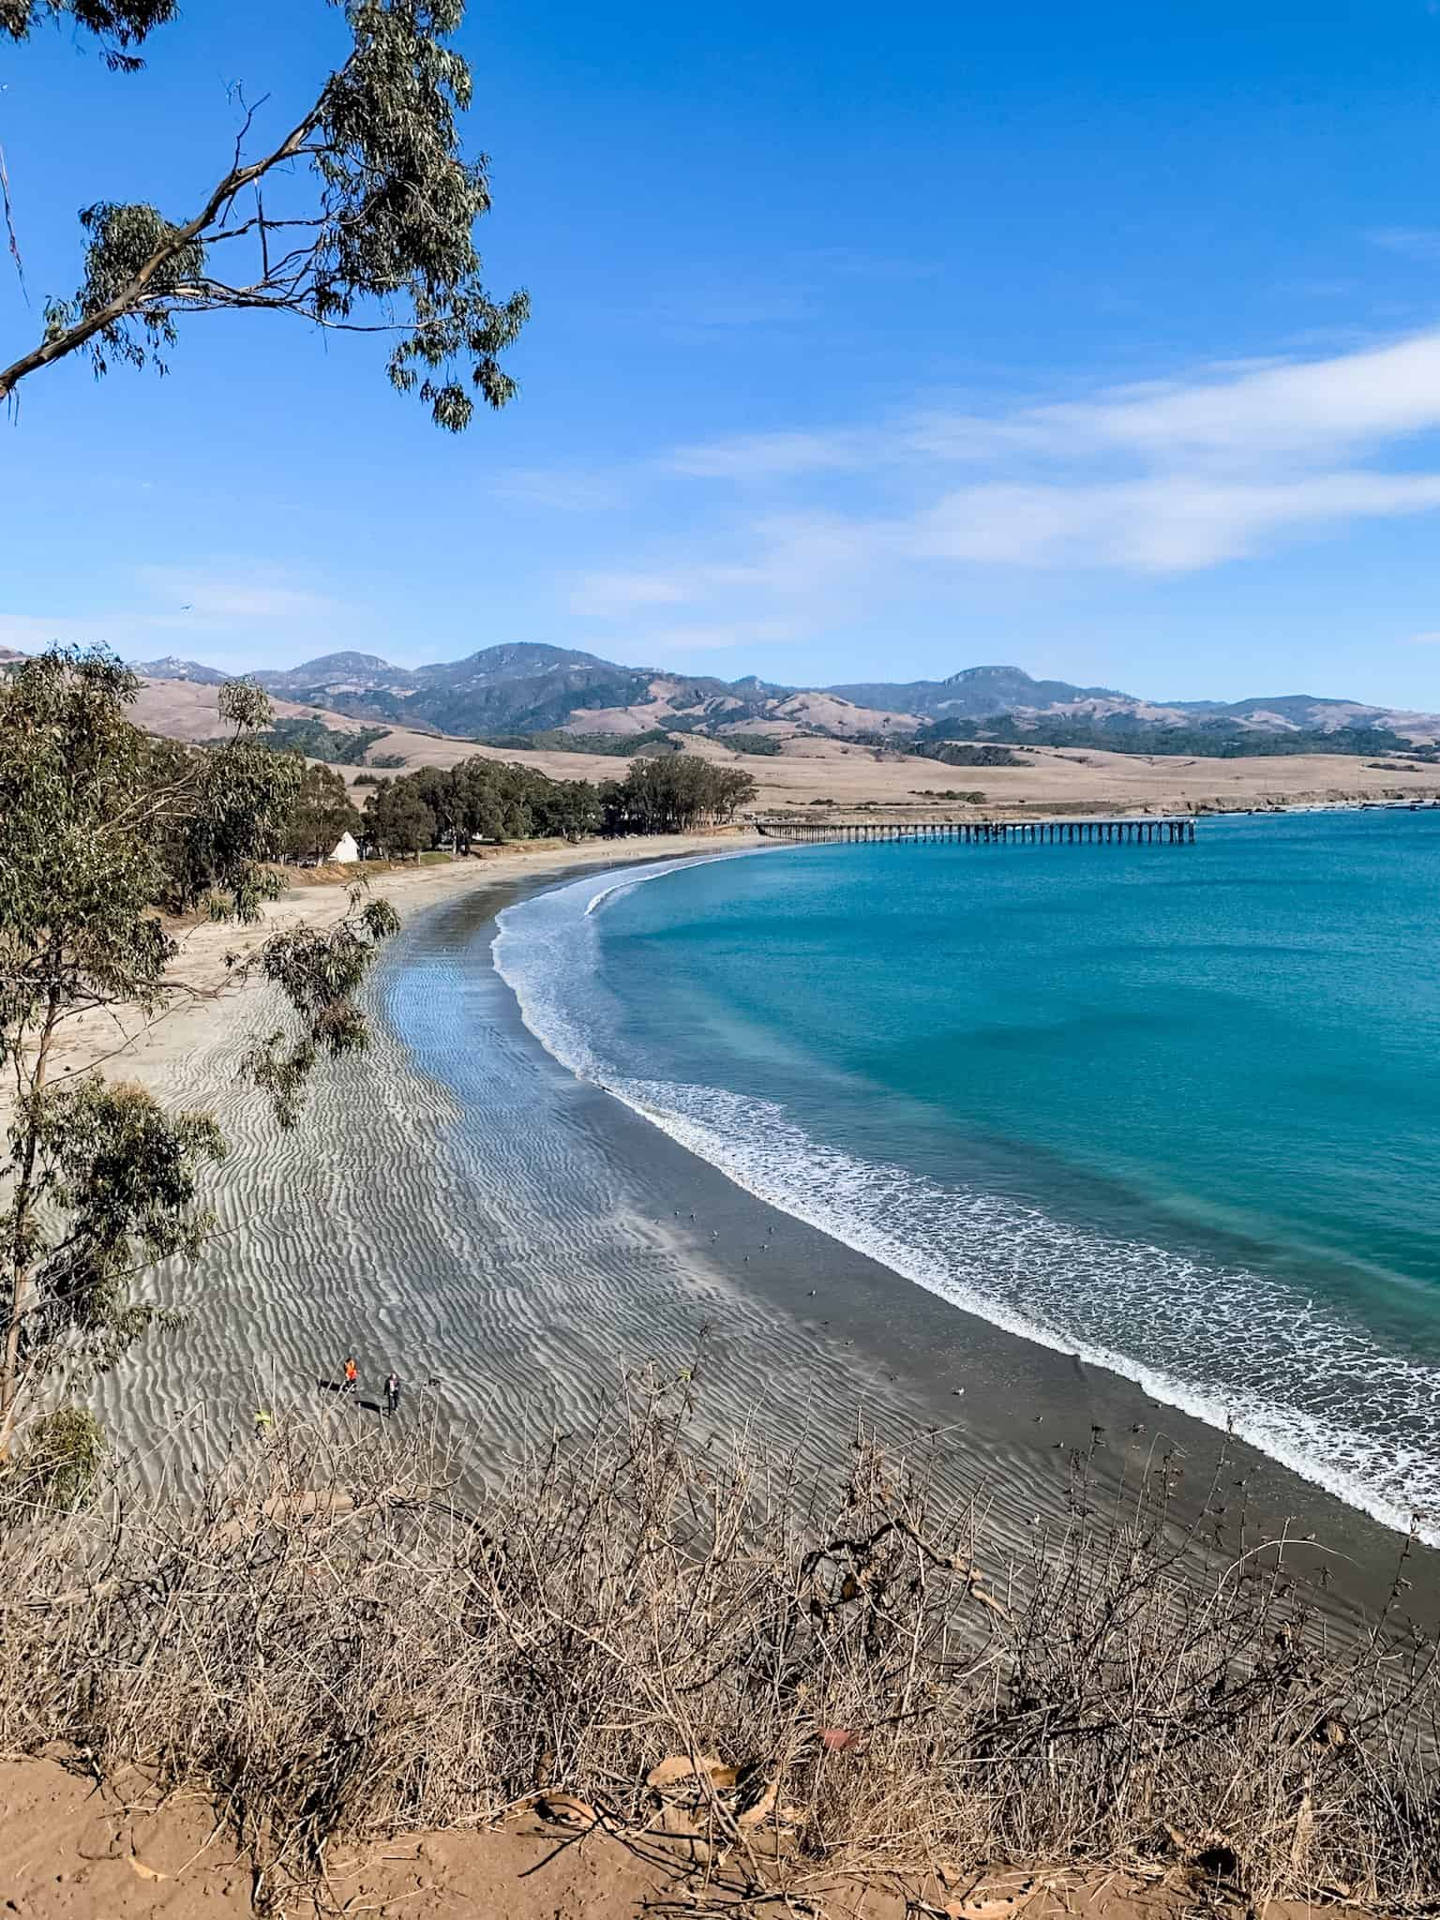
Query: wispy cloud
[225, 596]
[570, 489]
[607, 594]
[223, 613]
[1237, 415]
[769, 455]
[1165, 477]
[699, 638]
[1415, 243]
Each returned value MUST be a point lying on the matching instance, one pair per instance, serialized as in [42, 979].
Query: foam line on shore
[1288, 1387]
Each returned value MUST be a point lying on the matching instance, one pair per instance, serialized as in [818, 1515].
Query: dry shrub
[683, 1636]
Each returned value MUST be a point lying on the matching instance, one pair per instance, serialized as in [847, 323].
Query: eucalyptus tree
[398, 820]
[323, 813]
[105, 836]
[368, 225]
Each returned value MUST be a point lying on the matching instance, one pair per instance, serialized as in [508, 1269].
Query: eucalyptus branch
[178, 243]
[395, 204]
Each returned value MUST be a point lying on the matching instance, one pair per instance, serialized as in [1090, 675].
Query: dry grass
[684, 1637]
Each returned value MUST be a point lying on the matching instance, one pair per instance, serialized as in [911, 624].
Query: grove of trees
[492, 800]
[322, 811]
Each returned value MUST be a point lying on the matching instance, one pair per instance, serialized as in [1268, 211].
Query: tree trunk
[24, 1200]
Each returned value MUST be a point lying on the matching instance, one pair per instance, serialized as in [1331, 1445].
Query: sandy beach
[512, 1240]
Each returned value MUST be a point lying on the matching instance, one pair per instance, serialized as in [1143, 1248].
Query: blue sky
[867, 344]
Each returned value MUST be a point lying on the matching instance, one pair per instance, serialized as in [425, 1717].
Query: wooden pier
[1130, 832]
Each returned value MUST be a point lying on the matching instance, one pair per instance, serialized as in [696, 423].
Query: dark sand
[512, 1240]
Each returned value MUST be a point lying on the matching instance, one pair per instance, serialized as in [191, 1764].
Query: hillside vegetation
[540, 690]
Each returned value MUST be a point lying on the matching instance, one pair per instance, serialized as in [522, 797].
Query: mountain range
[527, 687]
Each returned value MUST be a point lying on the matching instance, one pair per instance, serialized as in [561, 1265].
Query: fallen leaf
[146, 1873]
[566, 1810]
[677, 1767]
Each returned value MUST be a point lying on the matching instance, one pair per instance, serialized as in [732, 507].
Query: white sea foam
[1311, 1388]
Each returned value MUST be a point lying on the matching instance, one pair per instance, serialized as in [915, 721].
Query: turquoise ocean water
[1177, 1110]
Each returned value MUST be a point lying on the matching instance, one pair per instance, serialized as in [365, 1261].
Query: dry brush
[695, 1645]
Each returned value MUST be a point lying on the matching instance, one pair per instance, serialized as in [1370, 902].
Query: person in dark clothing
[392, 1392]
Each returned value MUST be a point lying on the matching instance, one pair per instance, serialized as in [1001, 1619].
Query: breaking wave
[1297, 1379]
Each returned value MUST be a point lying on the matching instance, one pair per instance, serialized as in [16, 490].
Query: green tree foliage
[321, 814]
[1220, 738]
[319, 974]
[673, 794]
[478, 800]
[616, 746]
[103, 831]
[398, 822]
[370, 225]
[761, 745]
[118, 24]
[308, 734]
[491, 800]
[60, 1461]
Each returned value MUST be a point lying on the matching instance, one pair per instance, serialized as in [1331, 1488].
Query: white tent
[344, 852]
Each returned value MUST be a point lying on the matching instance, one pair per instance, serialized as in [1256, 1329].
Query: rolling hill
[523, 688]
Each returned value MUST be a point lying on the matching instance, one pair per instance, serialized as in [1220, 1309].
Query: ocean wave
[1311, 1388]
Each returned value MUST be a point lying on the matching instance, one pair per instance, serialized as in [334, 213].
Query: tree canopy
[321, 814]
[369, 226]
[493, 800]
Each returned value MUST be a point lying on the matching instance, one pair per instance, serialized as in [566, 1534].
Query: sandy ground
[810, 770]
[73, 1850]
[68, 1848]
[131, 1046]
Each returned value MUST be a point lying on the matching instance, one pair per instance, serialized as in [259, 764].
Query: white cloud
[251, 594]
[769, 455]
[1160, 478]
[225, 615]
[1174, 524]
[736, 633]
[571, 490]
[1348, 402]
[608, 594]
[1239, 413]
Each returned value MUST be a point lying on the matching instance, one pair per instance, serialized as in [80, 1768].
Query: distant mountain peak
[531, 686]
[344, 663]
[516, 657]
[171, 667]
[967, 674]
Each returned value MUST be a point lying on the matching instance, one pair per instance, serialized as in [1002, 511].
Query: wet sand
[511, 1240]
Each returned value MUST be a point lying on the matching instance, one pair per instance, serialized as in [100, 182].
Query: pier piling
[1122, 831]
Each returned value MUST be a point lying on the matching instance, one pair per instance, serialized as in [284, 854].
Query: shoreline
[514, 1238]
[900, 1322]
[150, 1048]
